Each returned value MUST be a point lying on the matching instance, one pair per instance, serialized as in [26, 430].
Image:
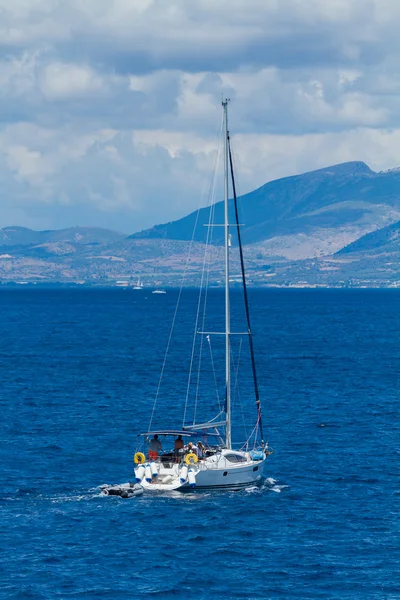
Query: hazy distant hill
[22, 236]
[50, 244]
[334, 226]
[315, 213]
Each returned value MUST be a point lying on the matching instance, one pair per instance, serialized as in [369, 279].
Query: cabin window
[235, 458]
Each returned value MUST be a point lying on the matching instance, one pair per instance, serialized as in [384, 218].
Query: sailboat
[139, 285]
[202, 455]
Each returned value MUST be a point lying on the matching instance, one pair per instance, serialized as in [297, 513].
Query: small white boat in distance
[138, 286]
[158, 292]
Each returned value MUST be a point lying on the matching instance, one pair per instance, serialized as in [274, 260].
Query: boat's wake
[269, 485]
[54, 498]
[272, 485]
[130, 490]
[123, 490]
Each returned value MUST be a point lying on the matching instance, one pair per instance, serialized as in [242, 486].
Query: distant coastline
[331, 228]
[109, 285]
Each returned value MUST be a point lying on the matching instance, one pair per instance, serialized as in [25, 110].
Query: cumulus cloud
[60, 81]
[109, 108]
[202, 34]
[60, 174]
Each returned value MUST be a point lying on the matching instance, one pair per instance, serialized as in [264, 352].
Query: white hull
[138, 286]
[213, 474]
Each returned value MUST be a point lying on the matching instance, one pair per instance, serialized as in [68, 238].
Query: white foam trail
[270, 481]
[252, 489]
[278, 488]
[77, 498]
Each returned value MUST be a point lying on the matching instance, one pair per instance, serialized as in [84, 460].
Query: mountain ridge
[386, 239]
[343, 195]
[326, 227]
[15, 235]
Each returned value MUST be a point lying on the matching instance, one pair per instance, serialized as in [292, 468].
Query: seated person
[192, 448]
[155, 447]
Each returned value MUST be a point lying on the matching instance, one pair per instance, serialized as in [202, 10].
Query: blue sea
[79, 373]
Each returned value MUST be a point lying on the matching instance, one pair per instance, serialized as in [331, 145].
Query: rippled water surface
[79, 371]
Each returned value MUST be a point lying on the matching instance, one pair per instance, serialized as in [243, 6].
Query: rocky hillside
[308, 215]
[385, 240]
[334, 226]
[22, 236]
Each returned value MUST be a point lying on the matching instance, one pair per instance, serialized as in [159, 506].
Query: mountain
[24, 242]
[334, 226]
[308, 215]
[22, 236]
[385, 240]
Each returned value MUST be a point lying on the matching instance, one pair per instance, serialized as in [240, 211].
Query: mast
[227, 303]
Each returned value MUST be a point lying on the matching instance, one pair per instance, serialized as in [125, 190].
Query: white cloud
[60, 81]
[17, 75]
[183, 29]
[110, 108]
[29, 165]
[153, 176]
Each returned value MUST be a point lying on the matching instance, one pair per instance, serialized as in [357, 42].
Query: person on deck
[179, 445]
[178, 448]
[192, 448]
[201, 449]
[154, 448]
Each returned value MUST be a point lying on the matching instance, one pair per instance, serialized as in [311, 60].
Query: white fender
[153, 467]
[147, 473]
[139, 473]
[184, 473]
[192, 478]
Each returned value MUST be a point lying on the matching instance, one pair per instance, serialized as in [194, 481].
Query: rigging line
[201, 339]
[214, 373]
[237, 389]
[194, 340]
[206, 270]
[171, 331]
[254, 431]
[246, 300]
[209, 246]
[211, 196]
[202, 287]
[255, 435]
[177, 306]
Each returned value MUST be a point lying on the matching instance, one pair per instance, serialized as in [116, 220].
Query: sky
[110, 109]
